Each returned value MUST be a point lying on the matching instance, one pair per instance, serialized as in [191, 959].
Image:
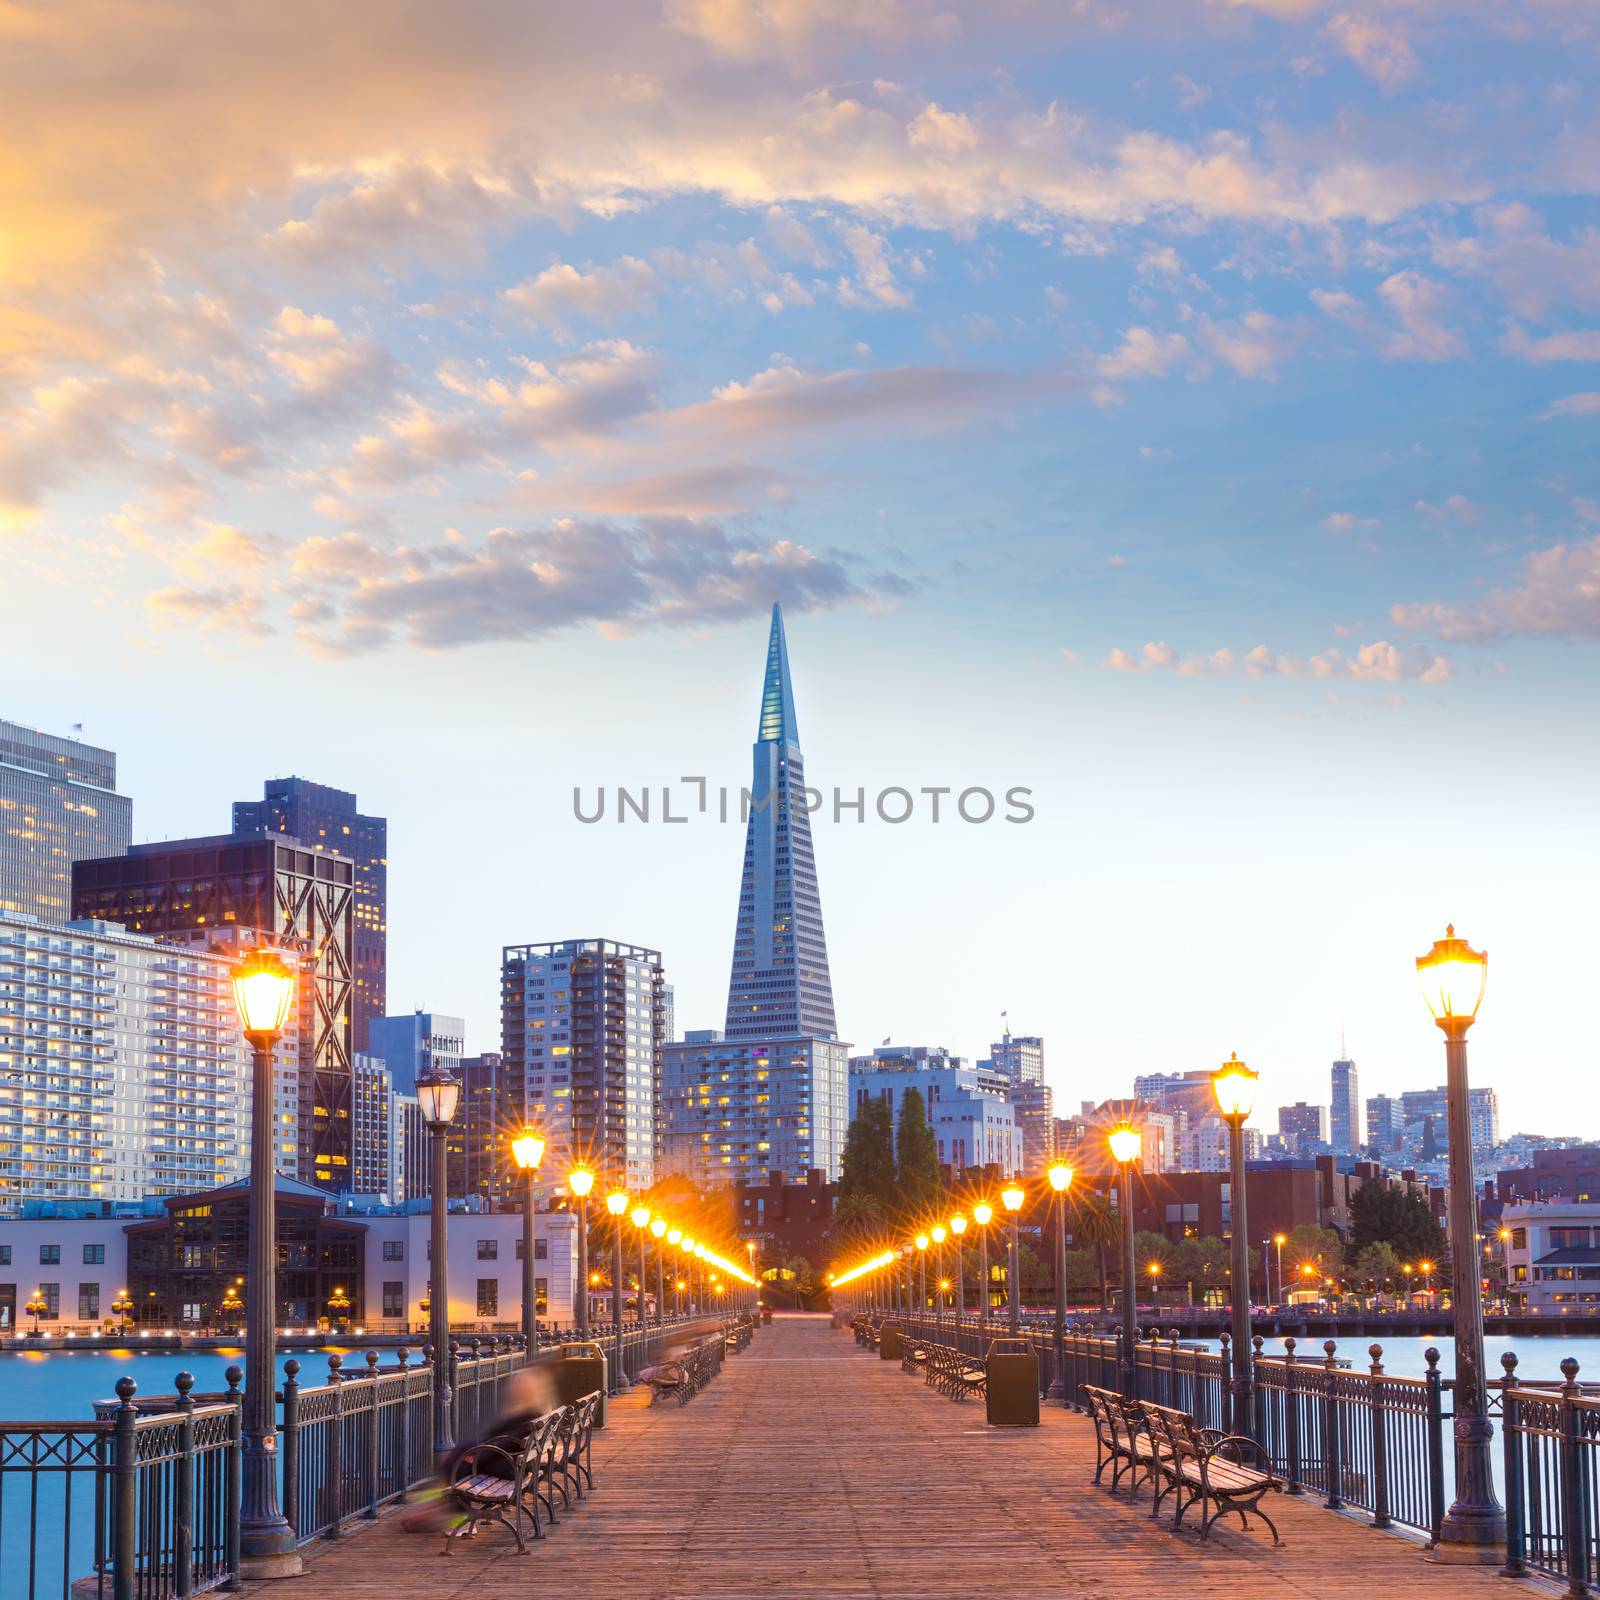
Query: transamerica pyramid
[780, 985]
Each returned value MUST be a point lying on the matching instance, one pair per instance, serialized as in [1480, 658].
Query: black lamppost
[982, 1214]
[958, 1228]
[579, 1182]
[1234, 1085]
[640, 1218]
[937, 1234]
[1453, 976]
[1011, 1197]
[1125, 1143]
[1060, 1176]
[438, 1094]
[264, 988]
[528, 1148]
[922, 1275]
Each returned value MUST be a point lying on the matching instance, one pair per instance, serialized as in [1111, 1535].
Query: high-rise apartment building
[1033, 1106]
[323, 818]
[371, 1127]
[581, 1035]
[123, 1070]
[780, 986]
[1020, 1057]
[58, 804]
[1344, 1118]
[1173, 1092]
[415, 1042]
[1303, 1126]
[226, 890]
[1384, 1124]
[481, 1162]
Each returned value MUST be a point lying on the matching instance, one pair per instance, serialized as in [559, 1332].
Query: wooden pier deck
[811, 1468]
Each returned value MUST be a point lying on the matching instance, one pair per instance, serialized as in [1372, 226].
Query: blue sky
[1185, 410]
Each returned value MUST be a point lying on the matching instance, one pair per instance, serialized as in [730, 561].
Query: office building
[780, 987]
[1173, 1092]
[581, 1035]
[1570, 1173]
[752, 1111]
[58, 804]
[481, 1162]
[973, 1122]
[227, 889]
[1303, 1127]
[416, 1042]
[1344, 1115]
[322, 818]
[1033, 1106]
[1384, 1124]
[123, 1071]
[1552, 1257]
[371, 1127]
[1020, 1057]
[410, 1151]
[1204, 1146]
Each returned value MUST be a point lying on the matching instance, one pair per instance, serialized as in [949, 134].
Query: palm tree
[1097, 1225]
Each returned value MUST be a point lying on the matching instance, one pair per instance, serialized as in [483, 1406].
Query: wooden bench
[913, 1352]
[1224, 1473]
[955, 1373]
[1123, 1440]
[684, 1378]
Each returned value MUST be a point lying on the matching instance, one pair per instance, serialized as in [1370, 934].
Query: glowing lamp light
[528, 1148]
[982, 1212]
[1453, 976]
[263, 990]
[438, 1094]
[659, 1227]
[922, 1241]
[1060, 1175]
[580, 1181]
[958, 1225]
[1012, 1197]
[1234, 1085]
[1124, 1142]
[617, 1202]
[674, 1236]
[937, 1235]
[640, 1216]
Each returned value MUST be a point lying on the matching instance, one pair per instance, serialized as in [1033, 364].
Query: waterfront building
[416, 1042]
[973, 1122]
[1571, 1173]
[752, 1110]
[58, 804]
[1552, 1255]
[1344, 1116]
[780, 986]
[410, 1170]
[226, 890]
[581, 1036]
[123, 1071]
[371, 1127]
[1303, 1126]
[1019, 1056]
[328, 819]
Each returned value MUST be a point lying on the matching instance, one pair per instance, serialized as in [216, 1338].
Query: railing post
[1511, 1444]
[374, 1433]
[1435, 1445]
[1380, 1440]
[1258, 1395]
[1574, 1533]
[335, 1456]
[1291, 1416]
[403, 1466]
[291, 1443]
[1225, 1341]
[183, 1493]
[233, 1478]
[124, 1493]
[452, 1376]
[1332, 1466]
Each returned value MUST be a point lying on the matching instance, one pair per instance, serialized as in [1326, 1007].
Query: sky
[1185, 410]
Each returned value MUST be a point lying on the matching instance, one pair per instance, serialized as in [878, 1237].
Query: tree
[1096, 1225]
[1378, 1266]
[1400, 1218]
[918, 1153]
[868, 1167]
[856, 1224]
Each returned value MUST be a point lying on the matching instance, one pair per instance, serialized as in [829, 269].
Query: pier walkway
[811, 1468]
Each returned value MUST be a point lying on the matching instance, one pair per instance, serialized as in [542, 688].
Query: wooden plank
[810, 1467]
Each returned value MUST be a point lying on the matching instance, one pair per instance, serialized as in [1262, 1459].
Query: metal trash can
[1011, 1392]
[890, 1342]
[577, 1370]
[766, 1317]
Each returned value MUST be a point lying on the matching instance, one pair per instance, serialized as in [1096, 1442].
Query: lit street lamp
[616, 1204]
[922, 1276]
[1234, 1085]
[36, 1307]
[579, 1182]
[1011, 1197]
[982, 1214]
[1453, 976]
[528, 1148]
[439, 1094]
[1060, 1176]
[936, 1233]
[658, 1230]
[958, 1227]
[264, 988]
[122, 1309]
[640, 1218]
[1125, 1144]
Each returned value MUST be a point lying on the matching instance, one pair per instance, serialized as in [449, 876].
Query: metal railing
[142, 1501]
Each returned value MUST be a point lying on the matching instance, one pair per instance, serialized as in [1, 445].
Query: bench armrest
[1240, 1441]
[469, 1464]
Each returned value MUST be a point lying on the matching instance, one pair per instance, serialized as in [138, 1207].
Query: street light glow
[1453, 976]
[1234, 1085]
[1124, 1141]
[1060, 1175]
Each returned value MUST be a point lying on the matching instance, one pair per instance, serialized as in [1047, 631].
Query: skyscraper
[480, 1158]
[220, 891]
[1344, 1119]
[58, 804]
[1019, 1056]
[322, 818]
[580, 1044]
[1302, 1125]
[414, 1042]
[780, 985]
